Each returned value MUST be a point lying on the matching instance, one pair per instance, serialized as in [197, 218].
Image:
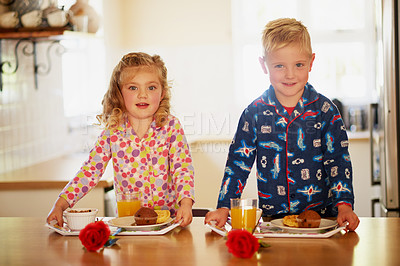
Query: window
[83, 64]
[343, 39]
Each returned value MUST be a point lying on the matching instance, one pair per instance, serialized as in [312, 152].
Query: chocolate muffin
[309, 219]
[145, 216]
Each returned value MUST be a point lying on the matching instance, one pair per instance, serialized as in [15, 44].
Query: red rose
[94, 235]
[242, 243]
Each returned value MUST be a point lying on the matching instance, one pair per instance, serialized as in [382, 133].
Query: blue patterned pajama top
[302, 159]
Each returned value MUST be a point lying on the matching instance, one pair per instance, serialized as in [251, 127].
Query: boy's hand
[346, 214]
[184, 212]
[219, 215]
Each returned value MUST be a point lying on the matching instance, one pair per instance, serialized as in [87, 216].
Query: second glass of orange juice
[128, 203]
[243, 214]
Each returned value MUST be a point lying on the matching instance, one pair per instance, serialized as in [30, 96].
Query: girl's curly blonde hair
[114, 109]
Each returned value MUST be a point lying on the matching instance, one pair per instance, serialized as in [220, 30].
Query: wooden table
[26, 241]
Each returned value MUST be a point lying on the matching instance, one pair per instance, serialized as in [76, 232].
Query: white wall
[194, 39]
[32, 123]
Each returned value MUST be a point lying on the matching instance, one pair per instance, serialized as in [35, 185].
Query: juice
[128, 207]
[243, 218]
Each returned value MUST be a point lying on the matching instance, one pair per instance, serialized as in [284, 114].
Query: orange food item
[162, 215]
[290, 220]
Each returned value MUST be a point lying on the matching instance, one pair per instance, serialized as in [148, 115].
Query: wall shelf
[28, 39]
[31, 33]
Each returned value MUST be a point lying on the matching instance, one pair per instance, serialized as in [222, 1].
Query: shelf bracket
[42, 69]
[29, 49]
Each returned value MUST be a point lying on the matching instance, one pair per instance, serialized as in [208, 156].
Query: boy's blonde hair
[284, 31]
[114, 109]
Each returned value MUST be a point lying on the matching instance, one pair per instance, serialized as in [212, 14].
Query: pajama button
[292, 196]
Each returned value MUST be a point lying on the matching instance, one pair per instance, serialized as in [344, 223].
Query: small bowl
[32, 19]
[58, 18]
[9, 20]
[78, 218]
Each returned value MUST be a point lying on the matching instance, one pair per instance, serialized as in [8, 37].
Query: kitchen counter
[31, 191]
[55, 173]
[358, 135]
[27, 241]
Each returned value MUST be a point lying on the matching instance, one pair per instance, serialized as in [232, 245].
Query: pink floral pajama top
[159, 165]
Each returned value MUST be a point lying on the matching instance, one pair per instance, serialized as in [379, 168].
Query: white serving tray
[163, 229]
[267, 229]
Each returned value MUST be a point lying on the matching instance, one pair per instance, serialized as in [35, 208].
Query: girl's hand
[184, 212]
[219, 215]
[346, 214]
[56, 212]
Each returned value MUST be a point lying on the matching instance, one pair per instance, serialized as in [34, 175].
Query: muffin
[309, 219]
[145, 216]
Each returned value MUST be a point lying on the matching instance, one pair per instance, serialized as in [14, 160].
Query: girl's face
[288, 69]
[142, 92]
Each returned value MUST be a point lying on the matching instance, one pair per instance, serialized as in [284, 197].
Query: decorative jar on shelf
[81, 11]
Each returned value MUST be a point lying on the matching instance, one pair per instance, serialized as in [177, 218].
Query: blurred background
[211, 49]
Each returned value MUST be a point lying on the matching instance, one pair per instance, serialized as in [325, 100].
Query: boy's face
[288, 69]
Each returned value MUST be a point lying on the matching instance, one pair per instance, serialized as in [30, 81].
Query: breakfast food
[290, 220]
[79, 211]
[306, 219]
[78, 218]
[145, 216]
[309, 219]
[162, 215]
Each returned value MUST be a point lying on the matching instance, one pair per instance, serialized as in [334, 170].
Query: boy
[296, 136]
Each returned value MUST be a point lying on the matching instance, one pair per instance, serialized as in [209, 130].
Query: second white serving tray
[266, 229]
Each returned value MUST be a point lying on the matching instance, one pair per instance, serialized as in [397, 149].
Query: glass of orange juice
[128, 203]
[244, 214]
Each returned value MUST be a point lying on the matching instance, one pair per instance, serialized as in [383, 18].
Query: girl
[145, 143]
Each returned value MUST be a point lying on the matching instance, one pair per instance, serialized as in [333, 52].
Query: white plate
[324, 225]
[127, 221]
